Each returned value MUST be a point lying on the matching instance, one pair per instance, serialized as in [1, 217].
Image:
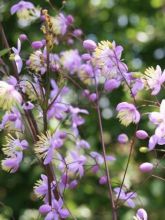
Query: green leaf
[4, 51]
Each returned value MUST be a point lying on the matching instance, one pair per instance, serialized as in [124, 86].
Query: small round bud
[23, 37]
[70, 41]
[111, 84]
[143, 149]
[70, 19]
[93, 97]
[37, 45]
[86, 93]
[146, 167]
[44, 209]
[86, 56]
[95, 169]
[103, 180]
[122, 138]
[77, 32]
[141, 134]
[89, 45]
[73, 184]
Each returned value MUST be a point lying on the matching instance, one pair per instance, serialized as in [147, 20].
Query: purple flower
[47, 145]
[75, 163]
[55, 211]
[122, 138]
[158, 118]
[127, 113]
[71, 60]
[103, 180]
[13, 119]
[154, 79]
[14, 152]
[21, 6]
[146, 167]
[58, 108]
[126, 197]
[83, 144]
[76, 119]
[41, 188]
[141, 214]
[60, 24]
[107, 57]
[17, 58]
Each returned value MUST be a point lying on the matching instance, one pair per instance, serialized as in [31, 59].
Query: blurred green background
[138, 25]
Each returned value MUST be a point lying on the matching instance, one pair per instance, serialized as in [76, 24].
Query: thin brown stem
[110, 191]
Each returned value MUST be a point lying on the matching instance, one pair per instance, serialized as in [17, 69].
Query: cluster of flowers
[100, 64]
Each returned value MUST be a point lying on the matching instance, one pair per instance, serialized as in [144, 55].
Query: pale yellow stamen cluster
[8, 96]
[100, 51]
[42, 145]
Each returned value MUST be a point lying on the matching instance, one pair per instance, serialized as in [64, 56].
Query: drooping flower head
[14, 152]
[55, 211]
[125, 196]
[20, 6]
[127, 113]
[37, 62]
[26, 12]
[154, 79]
[158, 118]
[48, 143]
[107, 57]
[9, 96]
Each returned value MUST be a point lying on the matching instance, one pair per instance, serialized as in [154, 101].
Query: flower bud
[86, 56]
[143, 149]
[23, 37]
[44, 209]
[93, 97]
[95, 168]
[37, 45]
[141, 134]
[137, 75]
[73, 184]
[122, 138]
[89, 45]
[70, 19]
[111, 85]
[77, 32]
[146, 167]
[103, 180]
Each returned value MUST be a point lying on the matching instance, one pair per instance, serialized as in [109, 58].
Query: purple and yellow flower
[14, 152]
[125, 196]
[47, 144]
[127, 113]
[154, 79]
[20, 6]
[9, 96]
[107, 57]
